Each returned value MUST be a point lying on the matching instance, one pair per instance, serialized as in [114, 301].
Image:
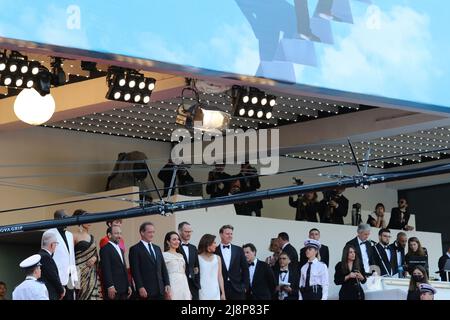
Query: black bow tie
[251, 264]
[226, 247]
[185, 244]
[283, 271]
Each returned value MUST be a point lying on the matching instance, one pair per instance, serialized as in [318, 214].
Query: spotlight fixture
[129, 86]
[200, 116]
[43, 81]
[252, 103]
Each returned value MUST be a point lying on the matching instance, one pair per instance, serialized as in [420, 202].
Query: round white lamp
[32, 108]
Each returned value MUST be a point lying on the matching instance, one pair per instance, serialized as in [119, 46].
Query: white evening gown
[178, 281]
[209, 271]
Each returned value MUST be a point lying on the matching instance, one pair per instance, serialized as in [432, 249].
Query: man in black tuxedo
[363, 248]
[324, 253]
[234, 265]
[49, 270]
[148, 267]
[441, 265]
[283, 241]
[287, 279]
[384, 256]
[190, 255]
[114, 269]
[400, 216]
[398, 248]
[262, 279]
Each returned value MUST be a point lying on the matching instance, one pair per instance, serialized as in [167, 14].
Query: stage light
[264, 101]
[245, 99]
[251, 112]
[13, 67]
[268, 115]
[19, 82]
[241, 111]
[43, 81]
[259, 114]
[272, 102]
[58, 74]
[24, 69]
[7, 81]
[252, 103]
[128, 85]
[33, 108]
[255, 100]
[30, 83]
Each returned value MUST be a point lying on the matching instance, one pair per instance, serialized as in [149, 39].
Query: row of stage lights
[129, 86]
[17, 71]
[253, 103]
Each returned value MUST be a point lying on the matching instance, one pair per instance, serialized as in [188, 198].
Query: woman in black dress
[349, 276]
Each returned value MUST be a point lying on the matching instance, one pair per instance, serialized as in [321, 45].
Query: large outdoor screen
[395, 49]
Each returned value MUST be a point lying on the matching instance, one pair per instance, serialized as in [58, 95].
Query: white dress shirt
[388, 252]
[318, 276]
[226, 254]
[186, 250]
[119, 251]
[365, 257]
[148, 245]
[30, 289]
[251, 270]
[283, 278]
[284, 245]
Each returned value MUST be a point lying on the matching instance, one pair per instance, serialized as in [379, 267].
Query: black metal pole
[248, 196]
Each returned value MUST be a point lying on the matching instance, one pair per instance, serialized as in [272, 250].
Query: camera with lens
[298, 181]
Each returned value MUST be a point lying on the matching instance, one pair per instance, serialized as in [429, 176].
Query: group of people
[69, 267]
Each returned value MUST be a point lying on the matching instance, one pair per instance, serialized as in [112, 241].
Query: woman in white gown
[179, 288]
[211, 281]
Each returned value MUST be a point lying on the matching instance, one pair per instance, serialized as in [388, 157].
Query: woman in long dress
[211, 280]
[176, 267]
[86, 260]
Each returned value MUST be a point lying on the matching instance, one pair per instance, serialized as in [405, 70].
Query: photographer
[218, 189]
[306, 204]
[249, 182]
[334, 206]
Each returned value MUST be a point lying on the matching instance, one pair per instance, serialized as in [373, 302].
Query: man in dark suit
[148, 267]
[384, 255]
[324, 253]
[283, 241]
[398, 248]
[363, 248]
[49, 270]
[287, 279]
[441, 265]
[165, 175]
[234, 265]
[114, 268]
[262, 279]
[400, 216]
[190, 255]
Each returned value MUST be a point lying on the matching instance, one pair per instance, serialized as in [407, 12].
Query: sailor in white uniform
[314, 274]
[31, 288]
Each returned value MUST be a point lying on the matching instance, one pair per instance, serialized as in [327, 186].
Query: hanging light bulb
[32, 108]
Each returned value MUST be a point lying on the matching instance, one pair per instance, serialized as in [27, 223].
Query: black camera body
[298, 181]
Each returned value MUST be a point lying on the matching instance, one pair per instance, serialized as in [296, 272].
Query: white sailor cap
[312, 243]
[425, 287]
[31, 261]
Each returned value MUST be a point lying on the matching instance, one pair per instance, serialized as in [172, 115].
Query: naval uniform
[314, 281]
[30, 289]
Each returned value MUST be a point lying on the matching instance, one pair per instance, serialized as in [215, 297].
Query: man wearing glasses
[50, 275]
[400, 216]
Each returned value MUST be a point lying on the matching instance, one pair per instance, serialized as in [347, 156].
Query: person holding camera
[219, 188]
[249, 182]
[348, 275]
[334, 206]
[307, 207]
